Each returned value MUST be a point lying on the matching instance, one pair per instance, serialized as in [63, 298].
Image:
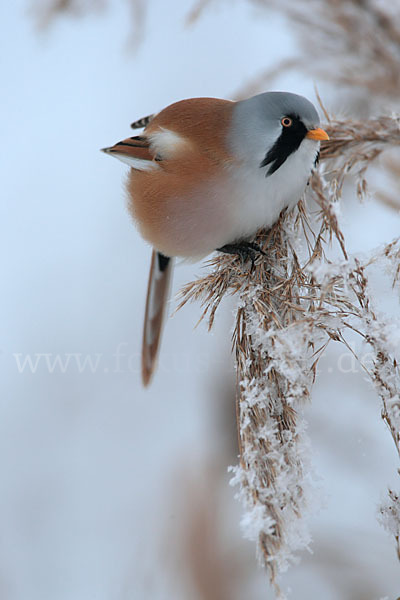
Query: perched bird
[206, 174]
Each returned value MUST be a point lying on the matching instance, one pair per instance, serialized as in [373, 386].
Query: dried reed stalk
[45, 12]
[291, 305]
[352, 43]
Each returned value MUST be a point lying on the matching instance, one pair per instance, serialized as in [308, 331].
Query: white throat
[259, 199]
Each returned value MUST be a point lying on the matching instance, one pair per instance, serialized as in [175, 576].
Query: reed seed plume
[353, 44]
[305, 294]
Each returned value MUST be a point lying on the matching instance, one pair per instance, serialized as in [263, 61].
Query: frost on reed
[291, 304]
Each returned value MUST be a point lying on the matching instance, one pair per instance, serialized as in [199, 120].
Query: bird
[206, 174]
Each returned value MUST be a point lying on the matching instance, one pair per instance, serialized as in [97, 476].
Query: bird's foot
[245, 250]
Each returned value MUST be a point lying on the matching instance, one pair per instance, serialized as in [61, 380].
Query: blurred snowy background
[108, 490]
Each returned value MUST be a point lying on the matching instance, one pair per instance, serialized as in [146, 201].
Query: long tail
[157, 297]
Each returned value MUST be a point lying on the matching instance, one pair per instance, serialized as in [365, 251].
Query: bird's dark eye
[286, 121]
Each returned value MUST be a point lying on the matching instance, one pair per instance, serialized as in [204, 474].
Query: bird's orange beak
[317, 134]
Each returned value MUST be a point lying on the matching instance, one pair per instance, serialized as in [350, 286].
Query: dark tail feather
[157, 297]
[140, 123]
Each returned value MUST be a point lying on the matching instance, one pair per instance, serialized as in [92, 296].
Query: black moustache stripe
[287, 143]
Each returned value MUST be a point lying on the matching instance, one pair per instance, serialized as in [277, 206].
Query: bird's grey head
[269, 127]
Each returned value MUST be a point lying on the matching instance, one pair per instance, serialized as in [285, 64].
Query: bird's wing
[156, 301]
[136, 152]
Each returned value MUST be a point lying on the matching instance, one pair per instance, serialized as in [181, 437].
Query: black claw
[245, 250]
